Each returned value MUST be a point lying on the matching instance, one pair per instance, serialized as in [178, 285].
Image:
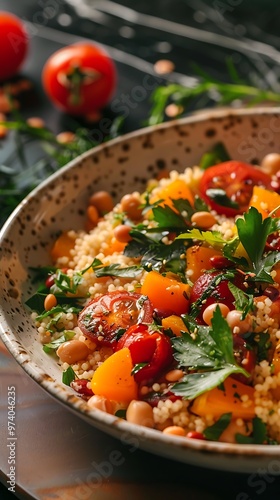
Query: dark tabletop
[137, 34]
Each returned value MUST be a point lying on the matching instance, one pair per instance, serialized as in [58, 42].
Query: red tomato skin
[244, 357]
[95, 95]
[14, 44]
[141, 344]
[153, 348]
[222, 293]
[154, 398]
[103, 316]
[81, 387]
[228, 176]
[195, 435]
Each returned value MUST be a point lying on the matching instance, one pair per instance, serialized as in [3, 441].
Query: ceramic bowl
[122, 166]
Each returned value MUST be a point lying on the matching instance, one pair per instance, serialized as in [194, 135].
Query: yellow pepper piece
[265, 201]
[113, 378]
[217, 401]
[166, 293]
[62, 246]
[175, 323]
[175, 190]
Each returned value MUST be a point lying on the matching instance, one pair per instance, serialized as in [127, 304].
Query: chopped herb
[68, 376]
[214, 431]
[260, 342]
[53, 346]
[121, 414]
[156, 255]
[217, 154]
[117, 270]
[220, 197]
[195, 307]
[41, 273]
[65, 283]
[258, 435]
[243, 301]
[167, 219]
[210, 351]
[36, 301]
[58, 309]
[95, 264]
[200, 205]
[213, 238]
[119, 333]
[236, 395]
[137, 368]
[252, 226]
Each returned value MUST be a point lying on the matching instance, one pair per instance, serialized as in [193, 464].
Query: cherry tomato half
[227, 188]
[106, 316]
[80, 78]
[273, 242]
[220, 294]
[13, 43]
[153, 348]
[153, 398]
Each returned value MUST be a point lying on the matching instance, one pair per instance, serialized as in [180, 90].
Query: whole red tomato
[13, 44]
[228, 187]
[80, 78]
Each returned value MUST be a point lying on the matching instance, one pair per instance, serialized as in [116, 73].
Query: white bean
[234, 321]
[72, 351]
[140, 413]
[209, 311]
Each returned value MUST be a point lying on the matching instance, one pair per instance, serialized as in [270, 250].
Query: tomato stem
[74, 79]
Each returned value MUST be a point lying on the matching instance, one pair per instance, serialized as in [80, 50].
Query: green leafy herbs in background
[18, 177]
[221, 92]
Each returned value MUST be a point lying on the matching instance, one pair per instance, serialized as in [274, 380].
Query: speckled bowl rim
[115, 426]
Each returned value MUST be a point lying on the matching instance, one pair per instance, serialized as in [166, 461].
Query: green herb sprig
[18, 177]
[208, 351]
[225, 93]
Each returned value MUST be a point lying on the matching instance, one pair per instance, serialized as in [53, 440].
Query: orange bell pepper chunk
[175, 323]
[114, 246]
[217, 401]
[166, 292]
[265, 201]
[198, 260]
[175, 190]
[276, 359]
[62, 246]
[113, 378]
